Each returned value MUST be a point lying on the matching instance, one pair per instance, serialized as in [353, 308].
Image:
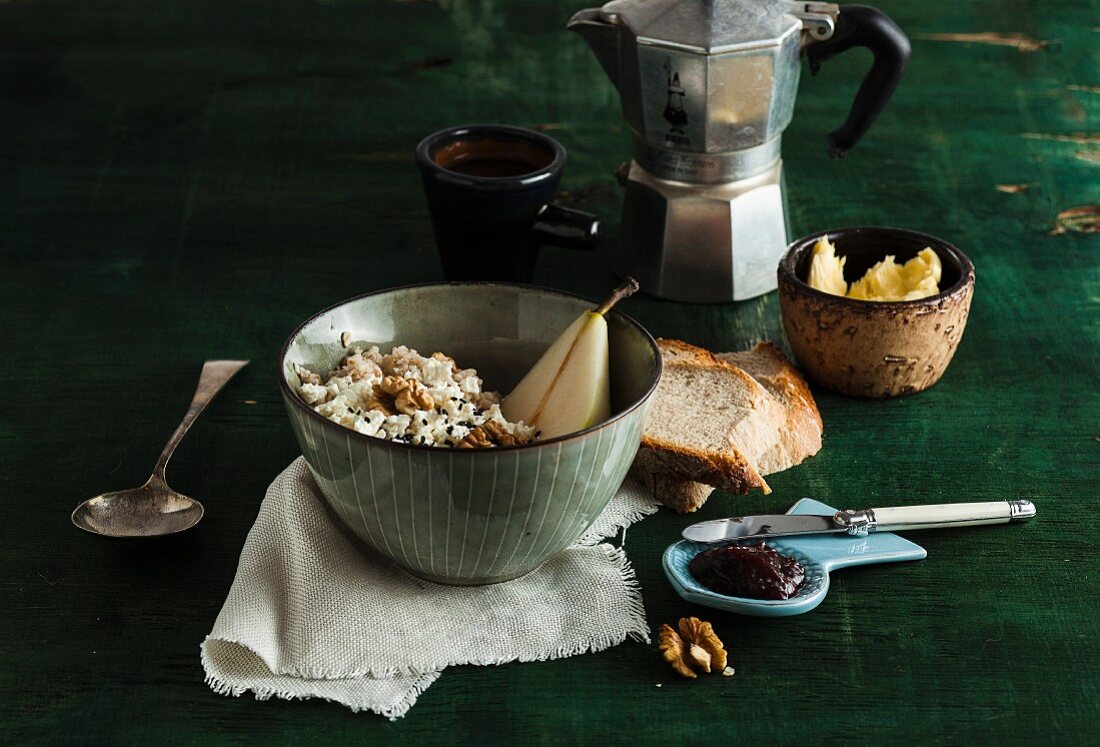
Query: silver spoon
[154, 508]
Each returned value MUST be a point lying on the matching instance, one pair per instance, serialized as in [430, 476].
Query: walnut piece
[699, 657]
[345, 339]
[414, 398]
[499, 434]
[385, 394]
[392, 385]
[383, 404]
[672, 648]
[406, 395]
[701, 635]
[357, 367]
[485, 400]
[475, 439]
[306, 376]
[695, 647]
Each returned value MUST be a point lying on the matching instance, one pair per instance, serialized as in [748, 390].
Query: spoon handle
[215, 375]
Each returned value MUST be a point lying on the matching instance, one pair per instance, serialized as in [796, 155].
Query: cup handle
[566, 228]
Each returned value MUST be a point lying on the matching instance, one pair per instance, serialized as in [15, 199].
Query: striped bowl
[469, 516]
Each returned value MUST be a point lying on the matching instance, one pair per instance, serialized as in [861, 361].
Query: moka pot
[707, 87]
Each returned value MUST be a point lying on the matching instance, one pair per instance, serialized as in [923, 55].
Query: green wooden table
[181, 181]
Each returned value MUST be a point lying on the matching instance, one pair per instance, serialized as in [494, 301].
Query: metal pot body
[709, 104]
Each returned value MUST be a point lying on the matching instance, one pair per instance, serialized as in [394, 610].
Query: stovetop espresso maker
[707, 87]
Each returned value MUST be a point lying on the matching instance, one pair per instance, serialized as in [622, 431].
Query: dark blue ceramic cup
[489, 190]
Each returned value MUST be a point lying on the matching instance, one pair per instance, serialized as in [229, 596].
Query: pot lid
[706, 26]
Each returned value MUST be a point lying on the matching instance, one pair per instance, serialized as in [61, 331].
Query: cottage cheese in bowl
[405, 397]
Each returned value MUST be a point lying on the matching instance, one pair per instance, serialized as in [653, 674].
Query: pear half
[569, 388]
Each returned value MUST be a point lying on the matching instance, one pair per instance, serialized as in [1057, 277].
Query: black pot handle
[566, 228]
[863, 26]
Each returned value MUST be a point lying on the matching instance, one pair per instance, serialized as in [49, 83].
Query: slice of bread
[709, 423]
[777, 424]
[801, 433]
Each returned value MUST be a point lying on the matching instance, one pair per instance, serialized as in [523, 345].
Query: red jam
[748, 571]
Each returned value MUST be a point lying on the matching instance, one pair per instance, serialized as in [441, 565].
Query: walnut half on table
[695, 647]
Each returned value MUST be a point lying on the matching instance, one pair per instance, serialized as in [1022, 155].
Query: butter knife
[861, 521]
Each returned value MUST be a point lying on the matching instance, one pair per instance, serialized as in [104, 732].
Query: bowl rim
[289, 394]
[796, 247]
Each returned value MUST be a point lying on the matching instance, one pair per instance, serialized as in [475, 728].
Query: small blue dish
[819, 554]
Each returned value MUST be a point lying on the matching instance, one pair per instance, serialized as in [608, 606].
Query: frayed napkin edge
[637, 629]
[393, 711]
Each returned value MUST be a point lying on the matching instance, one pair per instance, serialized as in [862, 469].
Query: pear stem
[628, 288]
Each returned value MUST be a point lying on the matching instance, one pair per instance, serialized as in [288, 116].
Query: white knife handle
[934, 517]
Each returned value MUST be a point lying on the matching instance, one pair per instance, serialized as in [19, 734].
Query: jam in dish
[749, 571]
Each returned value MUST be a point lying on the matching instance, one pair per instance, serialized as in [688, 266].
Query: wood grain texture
[183, 181]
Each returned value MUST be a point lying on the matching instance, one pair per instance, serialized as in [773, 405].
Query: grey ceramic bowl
[469, 516]
[869, 348]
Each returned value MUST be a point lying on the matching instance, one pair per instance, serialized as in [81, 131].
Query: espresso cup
[490, 191]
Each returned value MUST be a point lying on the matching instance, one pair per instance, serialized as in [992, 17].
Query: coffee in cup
[489, 190]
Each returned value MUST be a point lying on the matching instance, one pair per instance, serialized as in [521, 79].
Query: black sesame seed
[424, 421]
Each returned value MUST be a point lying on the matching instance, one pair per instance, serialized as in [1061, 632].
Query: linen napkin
[313, 614]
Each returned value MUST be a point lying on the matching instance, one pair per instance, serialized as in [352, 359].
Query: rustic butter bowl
[870, 348]
[469, 516]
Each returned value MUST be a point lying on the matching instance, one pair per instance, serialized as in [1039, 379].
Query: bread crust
[679, 350]
[730, 471]
[682, 496]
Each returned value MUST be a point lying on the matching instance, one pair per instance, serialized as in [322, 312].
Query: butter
[827, 269]
[889, 281]
[886, 281]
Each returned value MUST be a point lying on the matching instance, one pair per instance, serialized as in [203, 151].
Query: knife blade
[741, 528]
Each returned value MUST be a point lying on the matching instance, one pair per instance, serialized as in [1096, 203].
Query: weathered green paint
[181, 181]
